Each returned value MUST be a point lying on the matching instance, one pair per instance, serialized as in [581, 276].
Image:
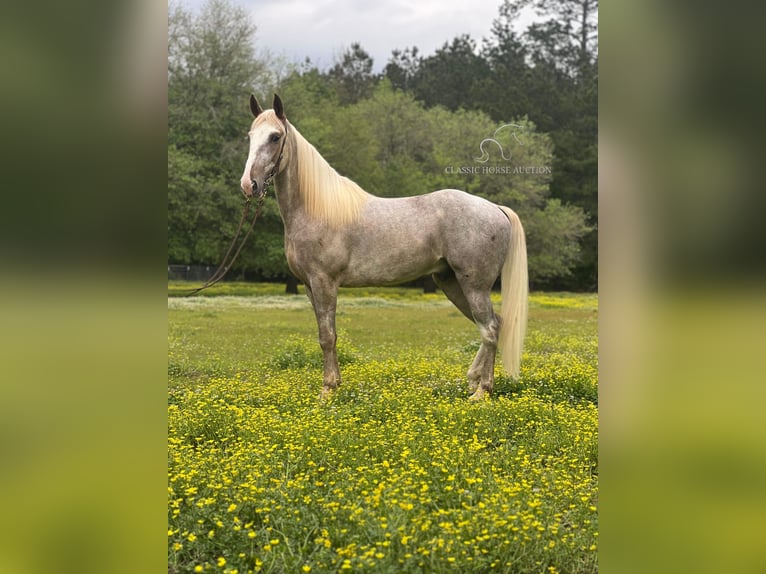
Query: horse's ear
[278, 109]
[254, 107]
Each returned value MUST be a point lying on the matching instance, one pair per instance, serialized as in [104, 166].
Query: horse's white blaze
[262, 154]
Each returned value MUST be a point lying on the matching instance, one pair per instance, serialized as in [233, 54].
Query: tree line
[512, 118]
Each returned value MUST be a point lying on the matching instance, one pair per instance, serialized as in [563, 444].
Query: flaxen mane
[326, 194]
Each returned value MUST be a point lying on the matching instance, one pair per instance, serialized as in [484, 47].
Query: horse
[337, 234]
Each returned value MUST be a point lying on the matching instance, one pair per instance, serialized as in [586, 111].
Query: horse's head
[268, 133]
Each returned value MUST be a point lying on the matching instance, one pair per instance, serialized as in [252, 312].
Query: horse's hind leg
[475, 304]
[481, 375]
[323, 295]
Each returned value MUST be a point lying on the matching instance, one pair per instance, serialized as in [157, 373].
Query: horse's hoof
[479, 395]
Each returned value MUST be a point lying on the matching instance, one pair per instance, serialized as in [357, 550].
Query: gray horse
[336, 234]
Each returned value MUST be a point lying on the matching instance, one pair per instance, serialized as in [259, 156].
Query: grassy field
[398, 472]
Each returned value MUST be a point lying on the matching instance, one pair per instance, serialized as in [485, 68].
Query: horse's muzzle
[252, 187]
[249, 187]
[259, 191]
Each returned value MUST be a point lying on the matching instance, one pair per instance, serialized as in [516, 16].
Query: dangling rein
[227, 263]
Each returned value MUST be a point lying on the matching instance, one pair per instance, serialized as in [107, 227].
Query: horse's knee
[327, 340]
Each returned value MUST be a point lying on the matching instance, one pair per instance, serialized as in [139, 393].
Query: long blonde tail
[515, 290]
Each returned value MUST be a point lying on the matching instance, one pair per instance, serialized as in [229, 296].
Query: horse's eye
[274, 138]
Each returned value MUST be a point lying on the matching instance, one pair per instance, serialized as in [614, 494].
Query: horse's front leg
[324, 296]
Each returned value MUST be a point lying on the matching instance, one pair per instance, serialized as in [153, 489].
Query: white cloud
[322, 29]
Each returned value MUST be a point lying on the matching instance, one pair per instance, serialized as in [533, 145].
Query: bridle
[227, 263]
[275, 170]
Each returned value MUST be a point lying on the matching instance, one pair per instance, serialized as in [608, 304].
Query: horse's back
[445, 206]
[454, 218]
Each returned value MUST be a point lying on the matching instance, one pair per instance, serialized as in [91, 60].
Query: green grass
[398, 472]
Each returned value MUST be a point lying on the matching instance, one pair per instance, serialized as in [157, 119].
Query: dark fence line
[201, 273]
[190, 272]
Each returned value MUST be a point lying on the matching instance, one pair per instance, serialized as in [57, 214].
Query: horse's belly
[392, 268]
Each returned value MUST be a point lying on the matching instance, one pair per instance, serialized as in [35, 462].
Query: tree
[553, 237]
[569, 36]
[503, 93]
[450, 76]
[403, 139]
[202, 211]
[402, 67]
[550, 74]
[184, 177]
[352, 76]
[212, 69]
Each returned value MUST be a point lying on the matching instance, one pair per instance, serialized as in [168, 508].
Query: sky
[323, 29]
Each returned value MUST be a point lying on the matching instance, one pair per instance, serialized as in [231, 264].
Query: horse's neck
[287, 191]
